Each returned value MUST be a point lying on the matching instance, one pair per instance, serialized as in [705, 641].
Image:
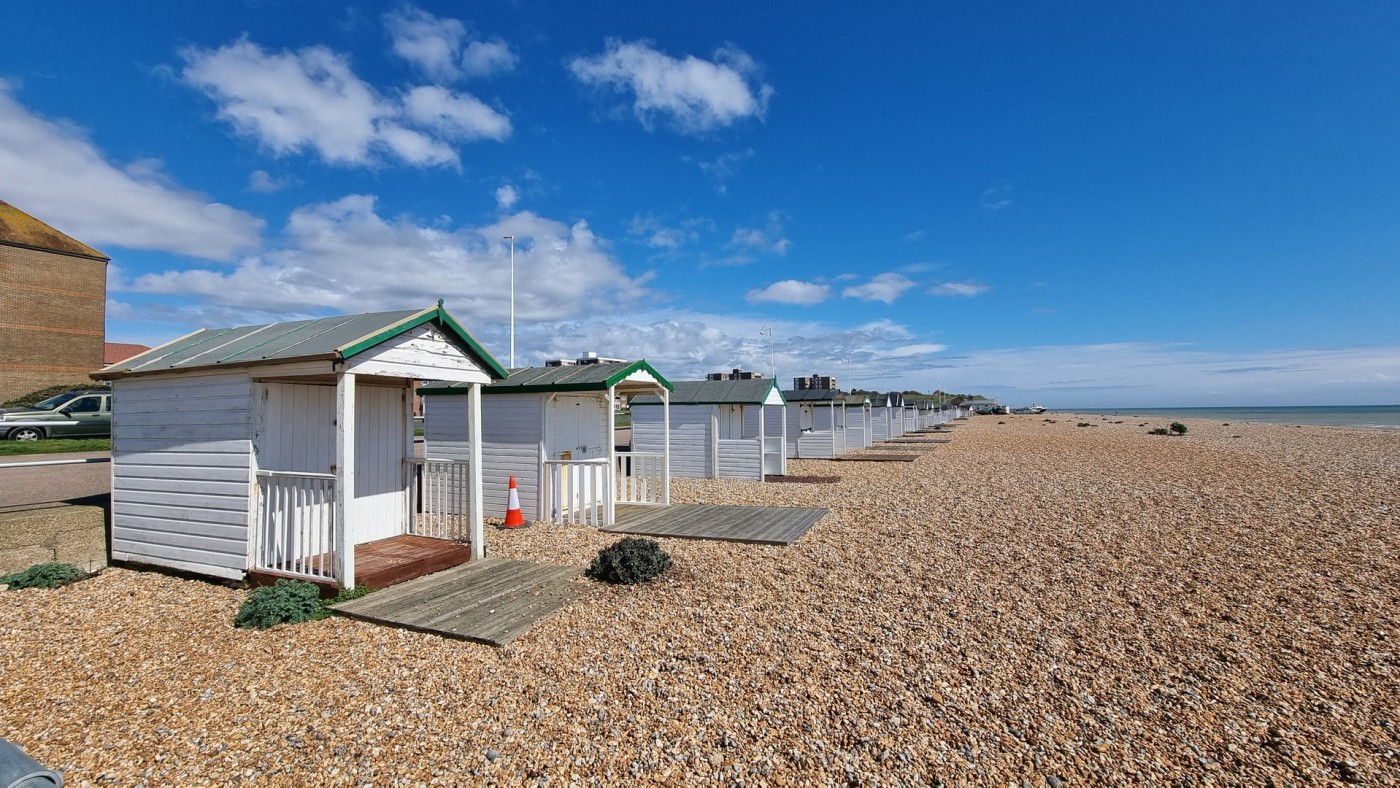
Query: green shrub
[1178, 428]
[630, 561]
[1158, 431]
[285, 602]
[50, 575]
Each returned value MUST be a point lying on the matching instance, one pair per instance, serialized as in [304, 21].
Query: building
[584, 360]
[737, 374]
[718, 429]
[53, 292]
[815, 382]
[121, 351]
[280, 450]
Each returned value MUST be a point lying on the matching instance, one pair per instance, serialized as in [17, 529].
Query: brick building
[53, 292]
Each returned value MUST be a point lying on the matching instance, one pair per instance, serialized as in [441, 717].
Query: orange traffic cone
[514, 519]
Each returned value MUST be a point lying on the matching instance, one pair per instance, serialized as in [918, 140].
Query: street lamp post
[772, 359]
[511, 238]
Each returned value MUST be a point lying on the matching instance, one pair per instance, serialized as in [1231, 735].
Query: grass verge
[54, 446]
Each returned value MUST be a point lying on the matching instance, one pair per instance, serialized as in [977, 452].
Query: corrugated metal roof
[856, 399]
[811, 395]
[713, 392]
[325, 337]
[21, 229]
[582, 377]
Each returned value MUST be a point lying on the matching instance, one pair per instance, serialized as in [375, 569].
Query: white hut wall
[512, 426]
[181, 471]
[691, 437]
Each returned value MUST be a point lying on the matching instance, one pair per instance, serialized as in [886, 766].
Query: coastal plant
[1178, 428]
[47, 575]
[629, 561]
[285, 602]
[1158, 431]
[344, 596]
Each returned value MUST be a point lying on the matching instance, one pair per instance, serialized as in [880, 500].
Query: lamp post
[511, 238]
[772, 359]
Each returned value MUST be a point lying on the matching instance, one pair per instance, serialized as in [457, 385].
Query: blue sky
[1083, 204]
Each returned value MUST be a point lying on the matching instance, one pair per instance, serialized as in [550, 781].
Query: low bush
[285, 602]
[1158, 431]
[1178, 428]
[629, 562]
[1083, 424]
[50, 575]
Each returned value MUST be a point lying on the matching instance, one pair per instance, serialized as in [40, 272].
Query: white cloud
[769, 238]
[506, 197]
[722, 168]
[455, 116]
[261, 182]
[691, 94]
[916, 235]
[311, 100]
[790, 291]
[435, 46]
[655, 233]
[488, 58]
[428, 42]
[343, 255]
[961, 289]
[997, 197]
[882, 287]
[52, 171]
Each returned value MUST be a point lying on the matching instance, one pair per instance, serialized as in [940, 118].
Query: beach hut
[886, 416]
[286, 449]
[720, 429]
[857, 423]
[815, 423]
[552, 429]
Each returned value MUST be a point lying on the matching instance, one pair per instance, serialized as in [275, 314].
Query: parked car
[72, 414]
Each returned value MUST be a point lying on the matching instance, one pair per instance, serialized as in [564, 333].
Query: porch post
[665, 447]
[345, 478]
[783, 414]
[762, 444]
[474, 503]
[610, 506]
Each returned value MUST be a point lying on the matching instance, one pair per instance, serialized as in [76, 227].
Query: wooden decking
[490, 601]
[751, 524]
[908, 441]
[905, 457]
[386, 562]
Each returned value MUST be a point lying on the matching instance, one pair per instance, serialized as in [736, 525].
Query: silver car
[72, 414]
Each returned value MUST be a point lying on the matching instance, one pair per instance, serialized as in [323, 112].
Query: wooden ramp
[750, 524]
[906, 457]
[492, 601]
[920, 440]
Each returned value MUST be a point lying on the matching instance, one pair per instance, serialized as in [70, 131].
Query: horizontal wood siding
[816, 445]
[739, 459]
[690, 438]
[181, 455]
[879, 425]
[512, 426]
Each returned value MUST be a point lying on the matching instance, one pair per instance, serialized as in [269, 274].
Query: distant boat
[1037, 409]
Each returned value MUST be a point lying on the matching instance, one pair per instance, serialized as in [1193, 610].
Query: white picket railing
[296, 524]
[439, 498]
[641, 478]
[576, 490]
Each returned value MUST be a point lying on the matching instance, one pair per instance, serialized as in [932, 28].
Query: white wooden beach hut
[815, 423]
[857, 432]
[286, 449]
[886, 416]
[720, 429]
[552, 429]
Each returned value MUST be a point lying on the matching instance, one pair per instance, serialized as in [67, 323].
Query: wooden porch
[749, 524]
[383, 563]
[491, 600]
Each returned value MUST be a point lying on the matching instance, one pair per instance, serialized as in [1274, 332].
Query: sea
[1371, 417]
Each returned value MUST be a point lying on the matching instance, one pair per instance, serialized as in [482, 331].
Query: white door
[380, 422]
[577, 425]
[731, 422]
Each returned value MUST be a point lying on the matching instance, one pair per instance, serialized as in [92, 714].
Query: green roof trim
[535, 380]
[444, 320]
[715, 392]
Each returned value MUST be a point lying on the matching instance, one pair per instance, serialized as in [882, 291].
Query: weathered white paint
[740, 459]
[344, 477]
[380, 498]
[478, 536]
[409, 354]
[692, 447]
[182, 496]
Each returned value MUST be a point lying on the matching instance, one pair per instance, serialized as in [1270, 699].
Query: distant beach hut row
[280, 450]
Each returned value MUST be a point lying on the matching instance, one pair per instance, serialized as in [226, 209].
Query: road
[52, 483]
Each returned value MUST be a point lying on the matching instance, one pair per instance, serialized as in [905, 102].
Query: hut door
[731, 422]
[577, 426]
[379, 454]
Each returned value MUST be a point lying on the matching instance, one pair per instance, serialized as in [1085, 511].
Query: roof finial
[439, 303]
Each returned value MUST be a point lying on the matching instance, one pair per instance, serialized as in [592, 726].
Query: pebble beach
[1035, 603]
